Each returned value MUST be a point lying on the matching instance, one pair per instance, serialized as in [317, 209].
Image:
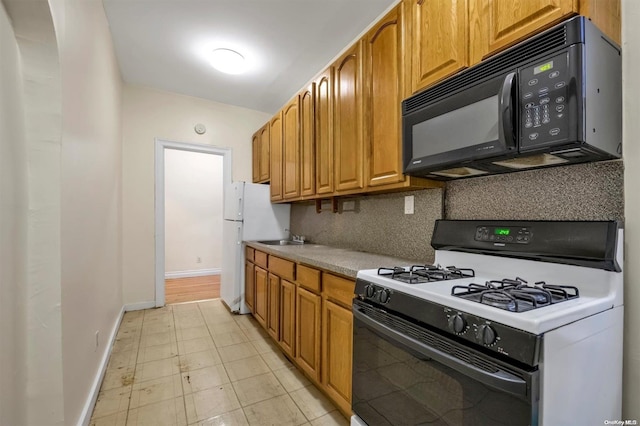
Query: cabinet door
[287, 317]
[249, 287]
[505, 22]
[255, 157]
[265, 158]
[260, 305]
[383, 75]
[291, 150]
[324, 132]
[337, 343]
[307, 142]
[275, 136]
[437, 39]
[273, 309]
[308, 308]
[348, 149]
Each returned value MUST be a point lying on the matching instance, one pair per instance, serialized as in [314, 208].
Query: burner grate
[419, 274]
[515, 295]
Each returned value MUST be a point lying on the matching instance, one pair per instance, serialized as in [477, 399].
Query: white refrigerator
[248, 216]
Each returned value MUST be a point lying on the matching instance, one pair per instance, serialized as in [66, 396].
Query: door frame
[160, 146]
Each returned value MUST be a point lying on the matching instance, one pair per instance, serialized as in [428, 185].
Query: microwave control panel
[544, 93]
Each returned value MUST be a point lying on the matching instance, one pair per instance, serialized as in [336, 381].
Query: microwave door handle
[505, 111]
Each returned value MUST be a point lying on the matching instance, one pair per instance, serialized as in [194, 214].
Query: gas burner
[419, 274]
[515, 295]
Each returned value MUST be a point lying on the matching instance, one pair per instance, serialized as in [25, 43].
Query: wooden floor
[179, 290]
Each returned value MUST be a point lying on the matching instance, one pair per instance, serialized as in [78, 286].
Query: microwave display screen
[473, 124]
[542, 68]
[502, 231]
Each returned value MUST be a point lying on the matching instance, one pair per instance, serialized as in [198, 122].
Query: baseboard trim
[138, 306]
[194, 273]
[85, 417]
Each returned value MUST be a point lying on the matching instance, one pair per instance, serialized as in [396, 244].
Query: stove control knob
[383, 296]
[457, 324]
[369, 290]
[486, 335]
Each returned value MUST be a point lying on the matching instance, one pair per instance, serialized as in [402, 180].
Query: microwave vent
[544, 43]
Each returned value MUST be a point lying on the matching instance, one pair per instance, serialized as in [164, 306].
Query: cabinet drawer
[338, 289]
[308, 278]
[283, 268]
[249, 253]
[260, 258]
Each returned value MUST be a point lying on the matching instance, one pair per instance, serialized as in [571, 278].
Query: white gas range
[528, 313]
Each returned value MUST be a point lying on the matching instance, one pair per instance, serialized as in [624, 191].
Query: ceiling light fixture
[228, 61]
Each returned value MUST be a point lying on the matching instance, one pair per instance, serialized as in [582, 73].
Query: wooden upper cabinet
[307, 142]
[260, 152]
[384, 66]
[275, 136]
[255, 156]
[265, 159]
[437, 39]
[347, 144]
[606, 14]
[502, 23]
[291, 150]
[324, 132]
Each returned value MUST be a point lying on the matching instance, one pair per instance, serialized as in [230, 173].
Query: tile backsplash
[377, 223]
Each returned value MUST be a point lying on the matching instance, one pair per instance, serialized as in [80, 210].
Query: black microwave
[551, 100]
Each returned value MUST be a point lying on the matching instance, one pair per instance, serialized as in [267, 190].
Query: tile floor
[198, 364]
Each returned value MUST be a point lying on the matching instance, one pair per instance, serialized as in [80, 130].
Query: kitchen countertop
[341, 261]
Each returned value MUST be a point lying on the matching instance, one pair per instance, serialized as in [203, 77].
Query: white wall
[91, 290]
[193, 211]
[13, 230]
[40, 72]
[149, 114]
[631, 130]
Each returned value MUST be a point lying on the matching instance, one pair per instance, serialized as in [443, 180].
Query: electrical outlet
[97, 340]
[198, 259]
[409, 204]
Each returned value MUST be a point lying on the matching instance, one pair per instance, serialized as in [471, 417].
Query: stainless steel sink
[281, 243]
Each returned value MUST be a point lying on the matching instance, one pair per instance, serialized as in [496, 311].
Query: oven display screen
[543, 67]
[502, 231]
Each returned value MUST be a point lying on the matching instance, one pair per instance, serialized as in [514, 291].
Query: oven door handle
[501, 380]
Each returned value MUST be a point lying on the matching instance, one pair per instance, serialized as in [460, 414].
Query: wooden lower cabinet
[337, 345]
[250, 287]
[273, 311]
[260, 305]
[288, 317]
[308, 314]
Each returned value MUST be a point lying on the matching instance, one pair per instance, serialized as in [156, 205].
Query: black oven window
[393, 385]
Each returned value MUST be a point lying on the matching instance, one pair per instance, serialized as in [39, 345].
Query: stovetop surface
[598, 290]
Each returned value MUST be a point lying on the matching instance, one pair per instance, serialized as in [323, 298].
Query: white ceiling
[164, 43]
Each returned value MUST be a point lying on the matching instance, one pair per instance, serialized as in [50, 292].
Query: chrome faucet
[297, 238]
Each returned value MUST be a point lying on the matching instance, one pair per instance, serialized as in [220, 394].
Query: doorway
[181, 262]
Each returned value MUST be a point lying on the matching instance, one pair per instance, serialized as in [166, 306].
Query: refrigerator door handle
[239, 206]
[239, 239]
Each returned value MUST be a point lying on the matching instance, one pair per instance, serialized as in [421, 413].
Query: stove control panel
[465, 326]
[376, 294]
[504, 234]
